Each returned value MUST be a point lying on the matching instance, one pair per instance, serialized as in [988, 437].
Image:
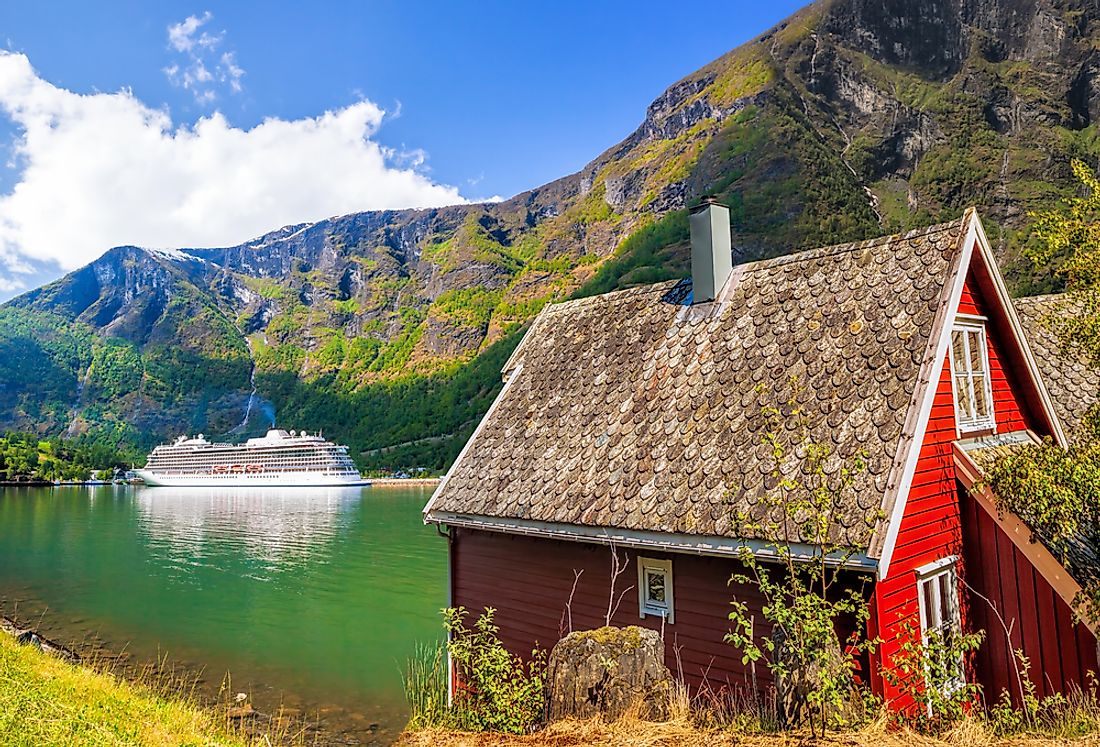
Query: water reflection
[277, 529]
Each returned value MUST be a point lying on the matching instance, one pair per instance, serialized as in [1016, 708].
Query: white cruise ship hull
[283, 479]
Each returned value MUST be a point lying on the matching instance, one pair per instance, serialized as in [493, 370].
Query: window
[938, 597]
[970, 377]
[655, 588]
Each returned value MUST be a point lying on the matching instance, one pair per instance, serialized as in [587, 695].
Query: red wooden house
[634, 420]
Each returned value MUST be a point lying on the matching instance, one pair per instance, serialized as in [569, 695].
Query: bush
[927, 668]
[496, 692]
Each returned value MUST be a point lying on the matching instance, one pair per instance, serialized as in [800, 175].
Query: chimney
[711, 251]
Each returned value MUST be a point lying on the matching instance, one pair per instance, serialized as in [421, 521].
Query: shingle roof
[634, 410]
[1073, 383]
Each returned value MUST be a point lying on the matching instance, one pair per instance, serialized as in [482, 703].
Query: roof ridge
[1042, 297]
[614, 295]
[852, 246]
[795, 257]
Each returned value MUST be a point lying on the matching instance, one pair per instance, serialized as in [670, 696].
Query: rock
[605, 671]
[241, 712]
[30, 638]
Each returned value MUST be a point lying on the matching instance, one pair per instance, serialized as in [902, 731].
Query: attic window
[655, 589]
[970, 377]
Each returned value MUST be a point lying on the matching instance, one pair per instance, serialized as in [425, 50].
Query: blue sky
[485, 100]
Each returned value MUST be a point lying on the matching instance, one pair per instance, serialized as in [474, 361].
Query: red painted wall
[931, 527]
[1039, 622]
[528, 582]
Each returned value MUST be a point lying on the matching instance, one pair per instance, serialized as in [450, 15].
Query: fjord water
[311, 598]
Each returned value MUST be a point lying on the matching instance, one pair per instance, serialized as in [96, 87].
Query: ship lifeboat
[253, 468]
[237, 469]
[220, 469]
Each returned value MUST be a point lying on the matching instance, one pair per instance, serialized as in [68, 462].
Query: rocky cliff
[850, 119]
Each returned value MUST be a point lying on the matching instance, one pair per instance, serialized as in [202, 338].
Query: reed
[425, 683]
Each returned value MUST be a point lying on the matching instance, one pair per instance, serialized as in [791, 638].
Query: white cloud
[203, 69]
[181, 36]
[101, 169]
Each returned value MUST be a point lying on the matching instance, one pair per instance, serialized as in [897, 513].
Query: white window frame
[647, 607]
[930, 574]
[989, 422]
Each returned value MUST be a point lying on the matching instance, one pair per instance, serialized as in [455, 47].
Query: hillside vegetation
[25, 457]
[848, 120]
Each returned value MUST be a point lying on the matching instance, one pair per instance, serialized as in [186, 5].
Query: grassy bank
[46, 701]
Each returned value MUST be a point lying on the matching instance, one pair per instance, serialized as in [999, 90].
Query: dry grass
[633, 732]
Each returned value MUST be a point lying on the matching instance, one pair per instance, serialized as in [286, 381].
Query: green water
[312, 598]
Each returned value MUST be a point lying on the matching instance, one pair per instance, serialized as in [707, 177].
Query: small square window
[655, 588]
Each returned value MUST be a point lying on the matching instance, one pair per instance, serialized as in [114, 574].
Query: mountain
[852, 118]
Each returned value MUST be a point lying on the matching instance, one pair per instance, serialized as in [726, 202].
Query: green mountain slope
[851, 119]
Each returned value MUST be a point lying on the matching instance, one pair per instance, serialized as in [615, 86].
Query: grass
[632, 732]
[1069, 720]
[425, 684]
[47, 701]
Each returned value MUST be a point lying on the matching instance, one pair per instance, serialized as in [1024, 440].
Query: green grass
[46, 701]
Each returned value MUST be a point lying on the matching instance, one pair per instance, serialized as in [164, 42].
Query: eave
[688, 544]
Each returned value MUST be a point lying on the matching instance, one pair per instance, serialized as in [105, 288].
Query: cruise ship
[278, 459]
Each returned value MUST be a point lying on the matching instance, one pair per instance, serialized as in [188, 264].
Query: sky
[183, 124]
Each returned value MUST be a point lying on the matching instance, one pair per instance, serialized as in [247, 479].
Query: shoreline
[404, 480]
[254, 716]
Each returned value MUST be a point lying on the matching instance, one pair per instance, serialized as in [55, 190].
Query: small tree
[1056, 491]
[804, 596]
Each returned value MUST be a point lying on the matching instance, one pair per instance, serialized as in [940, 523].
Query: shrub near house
[639, 419]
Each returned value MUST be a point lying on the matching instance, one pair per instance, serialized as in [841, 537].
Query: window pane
[981, 402]
[977, 357]
[963, 396]
[943, 581]
[930, 611]
[958, 351]
[655, 586]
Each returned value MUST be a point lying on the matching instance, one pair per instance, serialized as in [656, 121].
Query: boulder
[605, 671]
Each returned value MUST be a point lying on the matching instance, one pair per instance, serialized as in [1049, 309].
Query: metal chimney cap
[704, 202]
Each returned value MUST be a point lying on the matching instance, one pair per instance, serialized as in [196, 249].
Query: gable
[634, 411]
[1021, 400]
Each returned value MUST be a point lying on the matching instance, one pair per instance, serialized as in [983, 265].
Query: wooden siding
[931, 527]
[1062, 652]
[528, 582]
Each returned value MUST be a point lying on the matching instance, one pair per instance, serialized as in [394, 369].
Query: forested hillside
[387, 329]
